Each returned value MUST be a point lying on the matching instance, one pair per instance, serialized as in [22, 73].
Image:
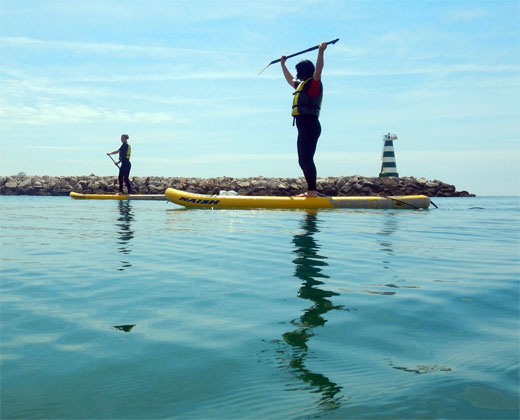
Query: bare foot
[308, 194]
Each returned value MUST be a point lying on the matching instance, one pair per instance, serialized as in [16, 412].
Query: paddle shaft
[113, 160]
[300, 52]
[131, 183]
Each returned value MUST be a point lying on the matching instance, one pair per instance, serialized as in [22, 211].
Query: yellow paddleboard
[188, 199]
[79, 196]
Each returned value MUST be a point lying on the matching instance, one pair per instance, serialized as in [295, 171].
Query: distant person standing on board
[306, 110]
[124, 159]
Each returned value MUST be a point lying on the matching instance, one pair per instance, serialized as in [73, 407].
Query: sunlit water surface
[133, 310]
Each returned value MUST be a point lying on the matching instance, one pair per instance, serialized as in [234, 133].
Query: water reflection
[309, 265]
[389, 227]
[386, 242]
[124, 231]
[125, 328]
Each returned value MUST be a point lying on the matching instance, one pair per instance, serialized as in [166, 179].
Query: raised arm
[288, 76]
[319, 62]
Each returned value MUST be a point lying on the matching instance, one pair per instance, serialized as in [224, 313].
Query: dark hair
[304, 70]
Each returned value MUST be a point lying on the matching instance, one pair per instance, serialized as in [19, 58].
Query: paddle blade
[261, 71]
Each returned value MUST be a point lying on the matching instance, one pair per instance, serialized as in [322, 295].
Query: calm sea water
[134, 310]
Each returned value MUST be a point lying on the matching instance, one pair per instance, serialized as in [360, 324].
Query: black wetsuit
[309, 130]
[306, 110]
[124, 170]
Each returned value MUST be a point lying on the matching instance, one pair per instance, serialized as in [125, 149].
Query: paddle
[113, 160]
[298, 53]
[115, 180]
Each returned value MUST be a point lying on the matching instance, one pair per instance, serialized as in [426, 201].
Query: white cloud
[107, 48]
[72, 149]
[424, 69]
[221, 158]
[51, 114]
[466, 14]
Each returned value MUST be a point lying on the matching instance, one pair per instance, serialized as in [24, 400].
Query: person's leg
[120, 178]
[128, 185]
[309, 131]
[126, 176]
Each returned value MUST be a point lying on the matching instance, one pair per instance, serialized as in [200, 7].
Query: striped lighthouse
[388, 167]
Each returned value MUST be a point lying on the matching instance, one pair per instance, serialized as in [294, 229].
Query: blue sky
[181, 78]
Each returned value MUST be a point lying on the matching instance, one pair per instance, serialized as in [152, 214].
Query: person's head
[124, 138]
[304, 70]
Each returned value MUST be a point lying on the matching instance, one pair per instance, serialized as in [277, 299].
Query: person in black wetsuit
[124, 159]
[306, 110]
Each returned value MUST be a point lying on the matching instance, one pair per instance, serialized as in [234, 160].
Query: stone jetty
[334, 186]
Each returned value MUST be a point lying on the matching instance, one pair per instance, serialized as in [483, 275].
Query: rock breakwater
[334, 186]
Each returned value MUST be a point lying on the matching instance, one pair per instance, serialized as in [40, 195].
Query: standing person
[124, 158]
[306, 110]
